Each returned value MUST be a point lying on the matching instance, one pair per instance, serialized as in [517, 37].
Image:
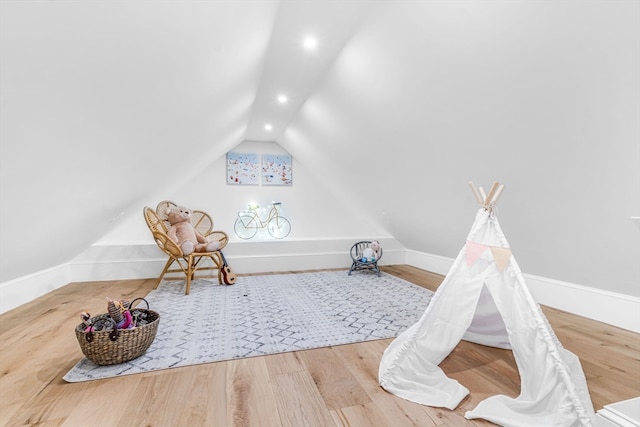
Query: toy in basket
[121, 335]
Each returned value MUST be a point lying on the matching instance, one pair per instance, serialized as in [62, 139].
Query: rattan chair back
[202, 222]
[153, 221]
[161, 211]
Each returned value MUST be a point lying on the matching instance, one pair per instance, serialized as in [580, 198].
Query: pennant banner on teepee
[501, 256]
[474, 251]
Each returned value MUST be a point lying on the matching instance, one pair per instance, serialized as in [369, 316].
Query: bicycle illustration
[249, 221]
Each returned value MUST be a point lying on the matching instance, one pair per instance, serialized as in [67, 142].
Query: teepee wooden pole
[475, 192]
[492, 191]
[483, 195]
[496, 196]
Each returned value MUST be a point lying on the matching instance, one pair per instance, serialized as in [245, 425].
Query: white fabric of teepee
[484, 299]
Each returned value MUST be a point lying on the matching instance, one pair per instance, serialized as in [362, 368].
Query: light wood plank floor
[335, 386]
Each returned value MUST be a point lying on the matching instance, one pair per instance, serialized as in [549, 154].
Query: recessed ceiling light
[310, 42]
[282, 99]
[268, 126]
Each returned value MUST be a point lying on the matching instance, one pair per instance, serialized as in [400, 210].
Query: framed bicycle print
[277, 169]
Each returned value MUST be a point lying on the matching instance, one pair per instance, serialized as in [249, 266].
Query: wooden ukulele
[228, 276]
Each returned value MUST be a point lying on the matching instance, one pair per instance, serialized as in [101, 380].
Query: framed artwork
[276, 169]
[243, 169]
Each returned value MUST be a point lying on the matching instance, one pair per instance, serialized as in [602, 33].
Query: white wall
[315, 212]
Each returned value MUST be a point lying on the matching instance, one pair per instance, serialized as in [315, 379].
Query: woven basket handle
[131, 304]
[113, 335]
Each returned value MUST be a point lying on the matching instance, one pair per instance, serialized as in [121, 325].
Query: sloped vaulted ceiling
[542, 96]
[95, 95]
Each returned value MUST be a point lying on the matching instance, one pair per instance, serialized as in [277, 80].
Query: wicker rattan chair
[356, 256]
[188, 265]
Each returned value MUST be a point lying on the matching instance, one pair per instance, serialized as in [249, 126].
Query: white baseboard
[612, 308]
[14, 293]
[145, 260]
[597, 304]
[434, 263]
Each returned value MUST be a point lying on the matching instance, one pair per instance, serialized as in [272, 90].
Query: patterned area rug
[262, 315]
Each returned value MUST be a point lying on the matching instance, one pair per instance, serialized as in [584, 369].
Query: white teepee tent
[484, 299]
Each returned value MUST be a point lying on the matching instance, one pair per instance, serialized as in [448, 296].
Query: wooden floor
[335, 386]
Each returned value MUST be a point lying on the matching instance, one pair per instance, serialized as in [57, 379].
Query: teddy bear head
[375, 245]
[178, 214]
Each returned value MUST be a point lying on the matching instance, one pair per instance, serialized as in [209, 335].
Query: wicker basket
[118, 345]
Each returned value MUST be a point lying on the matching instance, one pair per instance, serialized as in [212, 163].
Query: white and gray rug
[262, 315]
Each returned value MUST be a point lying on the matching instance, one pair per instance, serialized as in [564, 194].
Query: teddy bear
[377, 249]
[184, 233]
[372, 252]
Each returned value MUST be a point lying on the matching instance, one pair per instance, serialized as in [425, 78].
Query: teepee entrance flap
[487, 327]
